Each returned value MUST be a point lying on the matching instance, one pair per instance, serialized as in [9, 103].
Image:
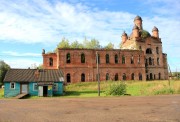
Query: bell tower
[155, 32]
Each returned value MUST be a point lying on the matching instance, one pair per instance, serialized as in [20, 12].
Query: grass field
[134, 88]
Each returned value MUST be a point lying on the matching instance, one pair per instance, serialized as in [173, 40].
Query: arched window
[147, 77]
[50, 61]
[132, 76]
[124, 76]
[140, 48]
[157, 50]
[107, 58]
[151, 76]
[150, 61]
[139, 59]
[146, 62]
[83, 77]
[132, 59]
[68, 58]
[116, 77]
[68, 78]
[107, 76]
[123, 59]
[159, 76]
[83, 58]
[149, 51]
[157, 61]
[116, 59]
[98, 59]
[140, 76]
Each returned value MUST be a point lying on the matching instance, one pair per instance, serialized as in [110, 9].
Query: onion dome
[135, 27]
[137, 18]
[124, 34]
[155, 29]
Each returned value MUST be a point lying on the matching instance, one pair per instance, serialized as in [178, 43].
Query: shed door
[40, 91]
[24, 89]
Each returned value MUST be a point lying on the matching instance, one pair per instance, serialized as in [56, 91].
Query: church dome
[137, 18]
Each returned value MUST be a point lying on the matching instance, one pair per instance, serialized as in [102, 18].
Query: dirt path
[111, 109]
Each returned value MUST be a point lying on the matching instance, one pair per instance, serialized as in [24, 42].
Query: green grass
[1, 93]
[134, 88]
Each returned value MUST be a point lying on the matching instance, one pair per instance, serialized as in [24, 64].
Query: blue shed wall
[32, 92]
[60, 89]
[8, 92]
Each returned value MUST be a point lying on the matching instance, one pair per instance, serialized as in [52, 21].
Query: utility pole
[170, 74]
[97, 61]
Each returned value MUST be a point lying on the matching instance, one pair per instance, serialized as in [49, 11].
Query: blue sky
[28, 26]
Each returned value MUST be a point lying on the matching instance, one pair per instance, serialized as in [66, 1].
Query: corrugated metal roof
[30, 75]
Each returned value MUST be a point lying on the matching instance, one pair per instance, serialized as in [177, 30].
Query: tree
[64, 43]
[93, 44]
[76, 44]
[3, 69]
[109, 46]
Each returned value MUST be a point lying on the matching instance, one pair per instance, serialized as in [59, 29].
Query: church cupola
[124, 37]
[155, 32]
[138, 22]
[135, 31]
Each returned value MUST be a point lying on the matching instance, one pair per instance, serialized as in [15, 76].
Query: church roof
[124, 34]
[135, 27]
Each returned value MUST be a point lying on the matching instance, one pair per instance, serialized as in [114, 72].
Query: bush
[116, 89]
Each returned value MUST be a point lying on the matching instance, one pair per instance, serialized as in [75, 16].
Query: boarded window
[68, 58]
[83, 58]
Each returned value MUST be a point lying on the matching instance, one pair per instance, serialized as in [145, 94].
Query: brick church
[140, 57]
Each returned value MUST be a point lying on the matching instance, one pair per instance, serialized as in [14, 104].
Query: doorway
[24, 88]
[45, 91]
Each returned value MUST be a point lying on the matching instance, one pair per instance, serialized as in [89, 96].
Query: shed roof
[30, 75]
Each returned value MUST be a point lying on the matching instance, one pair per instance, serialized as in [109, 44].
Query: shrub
[118, 88]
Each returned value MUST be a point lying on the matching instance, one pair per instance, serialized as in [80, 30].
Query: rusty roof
[30, 75]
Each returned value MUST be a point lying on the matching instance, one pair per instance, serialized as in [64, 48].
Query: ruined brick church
[140, 57]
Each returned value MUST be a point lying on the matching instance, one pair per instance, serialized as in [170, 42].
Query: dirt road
[111, 109]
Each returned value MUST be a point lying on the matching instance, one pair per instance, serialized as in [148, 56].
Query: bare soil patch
[164, 108]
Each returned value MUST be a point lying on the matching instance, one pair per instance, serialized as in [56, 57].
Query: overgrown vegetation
[3, 69]
[1, 93]
[116, 89]
[133, 88]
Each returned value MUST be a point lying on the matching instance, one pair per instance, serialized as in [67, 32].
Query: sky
[28, 26]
